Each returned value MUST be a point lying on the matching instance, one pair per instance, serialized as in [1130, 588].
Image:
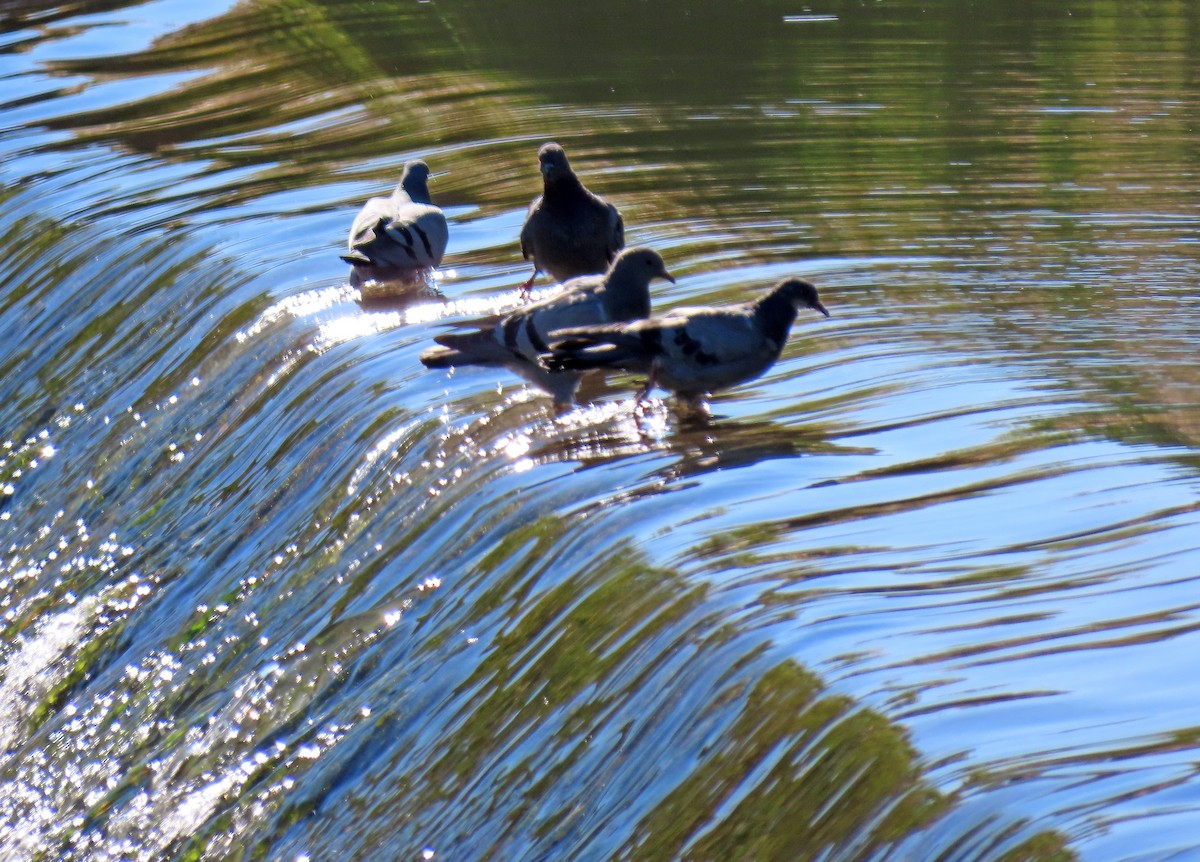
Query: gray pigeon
[397, 237]
[690, 351]
[516, 340]
[568, 231]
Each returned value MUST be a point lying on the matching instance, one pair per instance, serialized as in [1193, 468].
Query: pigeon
[568, 231]
[690, 351]
[517, 339]
[397, 237]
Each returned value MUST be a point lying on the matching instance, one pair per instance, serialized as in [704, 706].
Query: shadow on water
[699, 441]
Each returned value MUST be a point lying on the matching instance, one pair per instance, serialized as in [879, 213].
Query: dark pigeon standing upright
[516, 340]
[690, 351]
[568, 231]
[399, 237]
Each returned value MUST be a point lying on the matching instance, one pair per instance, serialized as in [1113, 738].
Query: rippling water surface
[928, 590]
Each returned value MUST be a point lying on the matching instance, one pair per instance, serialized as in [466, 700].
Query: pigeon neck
[626, 300]
[777, 314]
[416, 189]
[565, 186]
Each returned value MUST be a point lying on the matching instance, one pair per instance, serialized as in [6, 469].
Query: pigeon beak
[667, 275]
[819, 307]
[545, 168]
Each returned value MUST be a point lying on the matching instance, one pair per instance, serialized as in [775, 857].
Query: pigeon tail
[594, 347]
[355, 258]
[466, 348]
[581, 356]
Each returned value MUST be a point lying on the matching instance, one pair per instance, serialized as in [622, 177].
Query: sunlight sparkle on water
[515, 446]
[358, 325]
[348, 328]
[470, 307]
[299, 305]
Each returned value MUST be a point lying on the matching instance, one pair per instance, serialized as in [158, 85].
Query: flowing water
[928, 590]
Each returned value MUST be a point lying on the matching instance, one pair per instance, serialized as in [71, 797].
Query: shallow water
[927, 590]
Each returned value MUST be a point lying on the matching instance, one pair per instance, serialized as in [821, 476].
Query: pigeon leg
[645, 393]
[527, 285]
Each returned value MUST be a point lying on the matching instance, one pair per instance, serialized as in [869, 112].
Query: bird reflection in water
[399, 293]
[608, 432]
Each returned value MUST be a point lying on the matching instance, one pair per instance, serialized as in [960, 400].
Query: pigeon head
[641, 263]
[801, 294]
[627, 284]
[552, 161]
[414, 181]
